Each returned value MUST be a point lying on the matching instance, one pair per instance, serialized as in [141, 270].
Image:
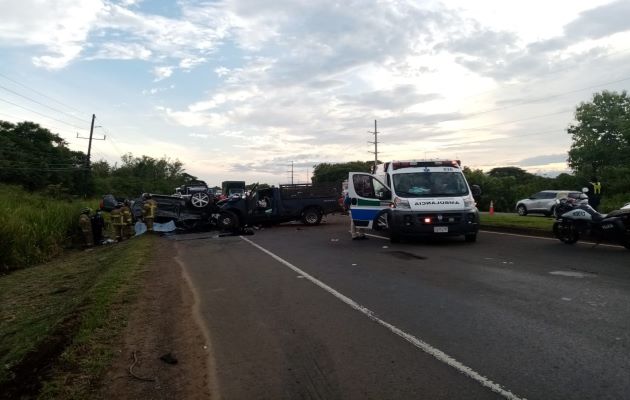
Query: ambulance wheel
[382, 222]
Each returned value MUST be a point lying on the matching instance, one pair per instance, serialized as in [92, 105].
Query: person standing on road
[356, 233]
[594, 192]
[85, 223]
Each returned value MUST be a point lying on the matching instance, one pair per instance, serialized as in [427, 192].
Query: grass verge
[58, 320]
[515, 221]
[35, 228]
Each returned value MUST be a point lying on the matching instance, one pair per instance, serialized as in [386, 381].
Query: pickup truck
[274, 205]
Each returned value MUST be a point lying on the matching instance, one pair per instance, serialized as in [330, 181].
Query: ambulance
[415, 198]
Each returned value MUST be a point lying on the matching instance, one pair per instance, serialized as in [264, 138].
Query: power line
[42, 94]
[520, 103]
[47, 169]
[41, 104]
[43, 115]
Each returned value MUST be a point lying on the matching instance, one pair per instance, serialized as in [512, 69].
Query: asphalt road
[299, 312]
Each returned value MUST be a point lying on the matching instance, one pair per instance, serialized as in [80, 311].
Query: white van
[415, 198]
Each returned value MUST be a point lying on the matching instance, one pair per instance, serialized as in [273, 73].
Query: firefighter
[85, 223]
[127, 229]
[117, 222]
[148, 211]
[98, 223]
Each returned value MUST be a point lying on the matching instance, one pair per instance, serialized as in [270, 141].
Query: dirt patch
[161, 322]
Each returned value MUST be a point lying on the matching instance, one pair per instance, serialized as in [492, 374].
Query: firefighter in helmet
[148, 210]
[85, 222]
[127, 220]
[117, 222]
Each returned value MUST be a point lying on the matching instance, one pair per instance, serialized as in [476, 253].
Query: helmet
[119, 204]
[86, 210]
[146, 196]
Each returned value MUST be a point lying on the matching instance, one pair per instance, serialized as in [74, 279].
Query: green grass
[515, 221]
[83, 297]
[34, 228]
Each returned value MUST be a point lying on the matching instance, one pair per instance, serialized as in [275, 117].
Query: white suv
[544, 202]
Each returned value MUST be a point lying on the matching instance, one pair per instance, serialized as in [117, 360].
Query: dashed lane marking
[427, 348]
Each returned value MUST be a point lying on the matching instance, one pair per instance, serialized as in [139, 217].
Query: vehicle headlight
[469, 202]
[402, 204]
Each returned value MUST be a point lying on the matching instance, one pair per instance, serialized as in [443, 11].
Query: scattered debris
[135, 361]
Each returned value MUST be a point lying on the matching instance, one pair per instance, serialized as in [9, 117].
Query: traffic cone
[491, 208]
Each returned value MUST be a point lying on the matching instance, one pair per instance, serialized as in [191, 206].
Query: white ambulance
[415, 198]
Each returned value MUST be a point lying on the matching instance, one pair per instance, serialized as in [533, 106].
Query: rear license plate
[440, 229]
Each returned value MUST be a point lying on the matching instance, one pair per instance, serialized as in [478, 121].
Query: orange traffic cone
[491, 208]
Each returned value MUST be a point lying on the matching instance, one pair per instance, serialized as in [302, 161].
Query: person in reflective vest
[594, 192]
[148, 211]
[127, 220]
[85, 223]
[118, 224]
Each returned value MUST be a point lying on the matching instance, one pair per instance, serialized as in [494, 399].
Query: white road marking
[427, 348]
[573, 274]
[554, 239]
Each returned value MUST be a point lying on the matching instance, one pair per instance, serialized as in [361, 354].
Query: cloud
[60, 29]
[543, 160]
[596, 23]
[122, 51]
[399, 97]
[162, 73]
[199, 135]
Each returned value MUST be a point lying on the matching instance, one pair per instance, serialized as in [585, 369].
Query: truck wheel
[228, 221]
[199, 200]
[394, 237]
[311, 216]
[470, 237]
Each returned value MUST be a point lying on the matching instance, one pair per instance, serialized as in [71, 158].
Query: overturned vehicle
[191, 207]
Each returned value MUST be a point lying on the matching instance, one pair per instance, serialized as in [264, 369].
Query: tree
[516, 172]
[35, 158]
[601, 136]
[338, 172]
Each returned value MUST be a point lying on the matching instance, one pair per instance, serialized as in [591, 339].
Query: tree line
[38, 159]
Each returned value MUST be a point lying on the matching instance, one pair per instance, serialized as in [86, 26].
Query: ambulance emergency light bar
[434, 163]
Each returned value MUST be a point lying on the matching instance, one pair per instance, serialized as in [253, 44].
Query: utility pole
[375, 143]
[291, 171]
[88, 162]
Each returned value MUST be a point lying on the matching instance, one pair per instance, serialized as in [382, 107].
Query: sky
[252, 89]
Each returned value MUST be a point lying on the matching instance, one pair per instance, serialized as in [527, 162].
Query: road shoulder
[161, 323]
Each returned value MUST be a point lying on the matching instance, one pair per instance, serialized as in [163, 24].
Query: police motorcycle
[576, 219]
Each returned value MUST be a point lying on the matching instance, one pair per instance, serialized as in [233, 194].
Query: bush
[34, 227]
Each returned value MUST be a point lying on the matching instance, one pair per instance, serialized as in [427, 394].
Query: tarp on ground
[141, 227]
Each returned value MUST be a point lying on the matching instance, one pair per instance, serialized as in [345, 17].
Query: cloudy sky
[240, 89]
